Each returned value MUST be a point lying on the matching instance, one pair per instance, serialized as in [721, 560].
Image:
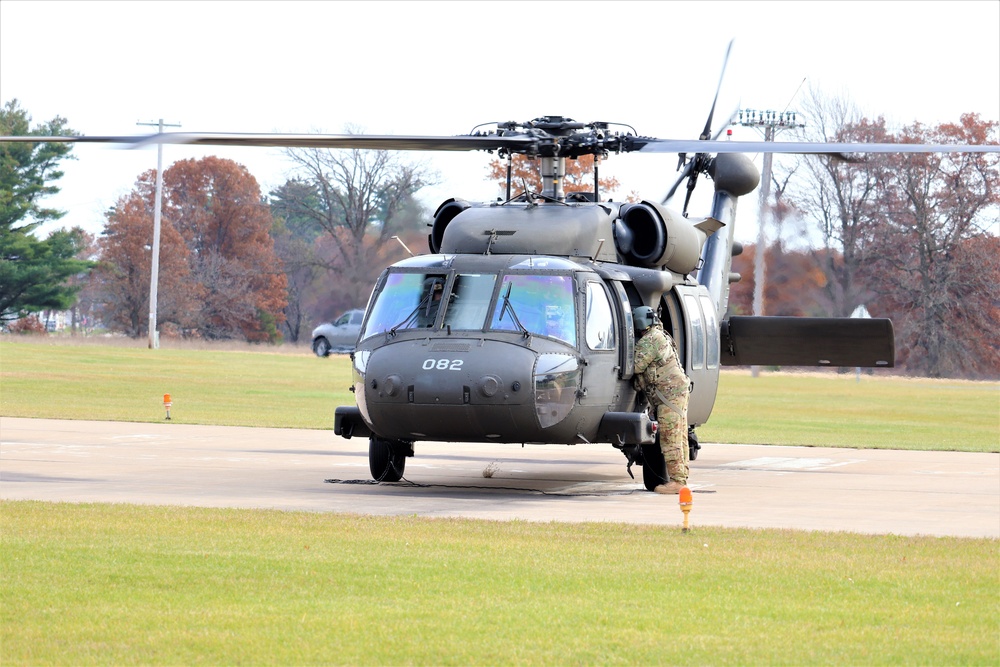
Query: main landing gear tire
[654, 468]
[693, 445]
[386, 459]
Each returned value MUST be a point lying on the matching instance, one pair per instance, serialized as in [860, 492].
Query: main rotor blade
[673, 189]
[515, 143]
[648, 145]
[361, 141]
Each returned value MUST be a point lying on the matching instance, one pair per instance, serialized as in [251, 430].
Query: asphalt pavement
[758, 486]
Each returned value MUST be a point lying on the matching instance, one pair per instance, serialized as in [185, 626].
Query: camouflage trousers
[673, 436]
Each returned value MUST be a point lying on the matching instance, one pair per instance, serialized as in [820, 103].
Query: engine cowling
[444, 214]
[650, 235]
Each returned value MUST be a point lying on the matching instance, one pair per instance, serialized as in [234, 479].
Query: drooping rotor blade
[707, 132]
[361, 141]
[700, 161]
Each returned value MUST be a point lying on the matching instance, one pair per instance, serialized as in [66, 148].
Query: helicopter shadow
[454, 476]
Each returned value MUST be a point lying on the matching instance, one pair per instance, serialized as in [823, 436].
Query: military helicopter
[517, 325]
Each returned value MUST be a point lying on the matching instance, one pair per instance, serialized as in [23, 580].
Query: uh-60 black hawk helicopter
[517, 326]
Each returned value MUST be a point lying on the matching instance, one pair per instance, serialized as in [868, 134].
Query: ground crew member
[659, 374]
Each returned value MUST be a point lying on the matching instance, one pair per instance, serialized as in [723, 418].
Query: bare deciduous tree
[912, 236]
[362, 199]
[936, 256]
[839, 196]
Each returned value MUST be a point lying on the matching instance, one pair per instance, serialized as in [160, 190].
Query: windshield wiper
[413, 313]
[508, 306]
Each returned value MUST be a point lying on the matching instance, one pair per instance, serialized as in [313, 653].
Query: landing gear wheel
[386, 459]
[693, 445]
[321, 347]
[654, 468]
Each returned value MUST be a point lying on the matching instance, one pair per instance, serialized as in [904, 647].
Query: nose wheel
[387, 458]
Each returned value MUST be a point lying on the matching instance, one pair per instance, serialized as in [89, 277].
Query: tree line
[912, 237]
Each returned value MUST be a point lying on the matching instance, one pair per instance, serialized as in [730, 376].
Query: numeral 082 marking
[442, 364]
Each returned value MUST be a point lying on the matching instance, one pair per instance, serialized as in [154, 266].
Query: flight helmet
[643, 317]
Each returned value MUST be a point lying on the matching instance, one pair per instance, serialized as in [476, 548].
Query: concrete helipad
[860, 490]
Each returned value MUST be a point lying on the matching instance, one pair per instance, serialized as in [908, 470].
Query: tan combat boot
[670, 488]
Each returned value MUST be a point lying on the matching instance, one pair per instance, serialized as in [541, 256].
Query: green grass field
[117, 584]
[265, 387]
[880, 412]
[99, 584]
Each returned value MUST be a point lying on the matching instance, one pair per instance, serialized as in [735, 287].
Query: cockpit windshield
[469, 302]
[541, 304]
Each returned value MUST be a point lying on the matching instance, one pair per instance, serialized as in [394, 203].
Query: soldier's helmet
[643, 317]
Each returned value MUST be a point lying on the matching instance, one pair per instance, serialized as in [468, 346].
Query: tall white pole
[154, 278]
[154, 339]
[759, 252]
[772, 122]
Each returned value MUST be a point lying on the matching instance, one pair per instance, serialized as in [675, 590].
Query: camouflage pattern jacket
[658, 370]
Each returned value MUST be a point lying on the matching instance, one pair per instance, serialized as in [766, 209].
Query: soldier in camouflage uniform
[659, 374]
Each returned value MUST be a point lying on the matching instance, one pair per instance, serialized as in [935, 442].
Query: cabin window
[600, 319]
[542, 305]
[469, 301]
[697, 331]
[406, 301]
[557, 380]
[712, 328]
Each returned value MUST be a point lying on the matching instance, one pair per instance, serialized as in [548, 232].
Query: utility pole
[154, 336]
[772, 122]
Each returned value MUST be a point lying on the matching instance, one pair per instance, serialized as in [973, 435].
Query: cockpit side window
[697, 331]
[541, 304]
[600, 318]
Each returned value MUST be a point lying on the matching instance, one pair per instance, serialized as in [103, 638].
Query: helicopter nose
[455, 390]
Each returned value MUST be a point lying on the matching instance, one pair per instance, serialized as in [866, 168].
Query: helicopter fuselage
[518, 328]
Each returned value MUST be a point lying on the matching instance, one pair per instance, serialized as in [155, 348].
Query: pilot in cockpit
[431, 302]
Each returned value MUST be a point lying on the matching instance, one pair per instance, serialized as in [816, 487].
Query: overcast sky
[440, 68]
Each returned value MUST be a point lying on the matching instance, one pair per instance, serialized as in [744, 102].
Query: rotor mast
[553, 175]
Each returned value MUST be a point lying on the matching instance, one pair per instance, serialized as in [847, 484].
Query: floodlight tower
[771, 122]
[154, 338]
